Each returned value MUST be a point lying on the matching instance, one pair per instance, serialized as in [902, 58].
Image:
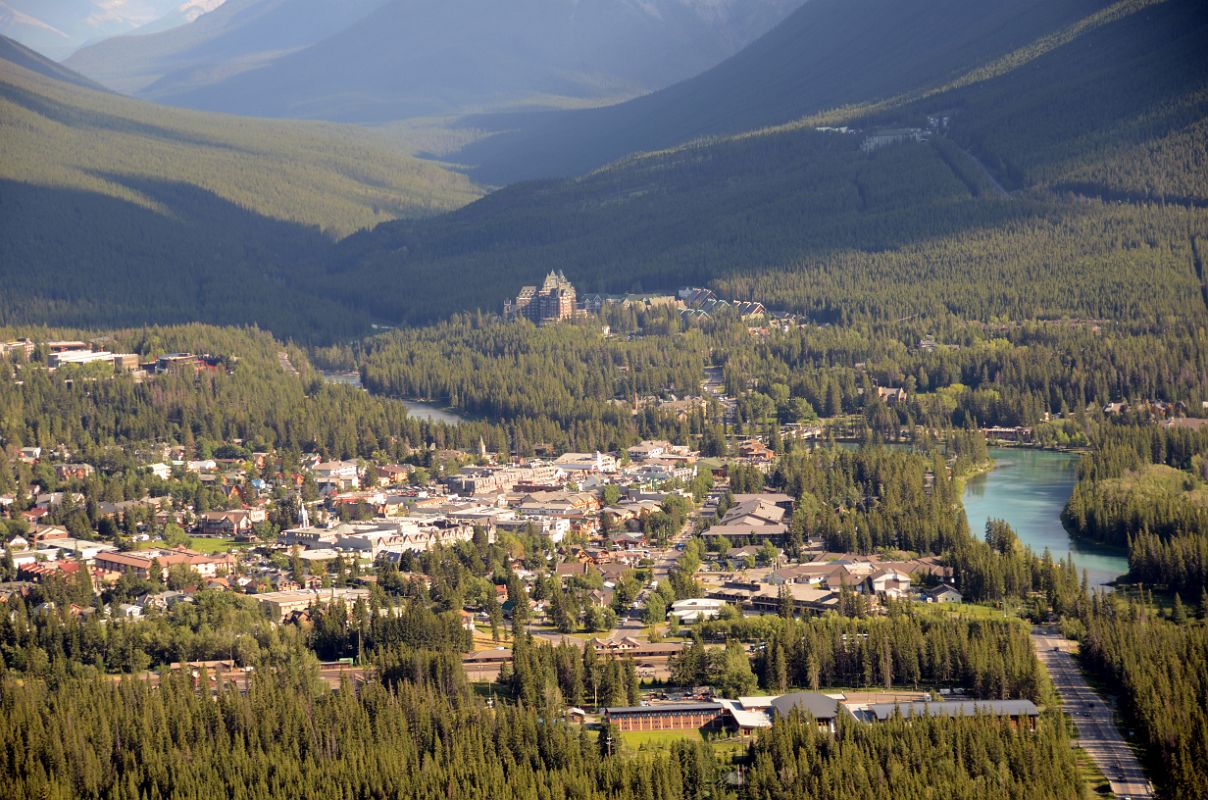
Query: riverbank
[1028, 488]
[975, 471]
[422, 409]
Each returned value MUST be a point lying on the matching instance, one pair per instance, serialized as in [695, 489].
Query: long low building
[140, 562]
[666, 716]
[1020, 712]
[765, 598]
[279, 604]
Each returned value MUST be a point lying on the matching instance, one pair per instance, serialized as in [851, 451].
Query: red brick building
[666, 717]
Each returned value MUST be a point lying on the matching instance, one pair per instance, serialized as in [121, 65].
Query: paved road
[663, 561]
[1097, 731]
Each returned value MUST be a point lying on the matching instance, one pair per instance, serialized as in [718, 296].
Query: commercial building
[139, 562]
[1020, 712]
[666, 716]
[279, 604]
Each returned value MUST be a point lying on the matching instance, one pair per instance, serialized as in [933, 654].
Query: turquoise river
[1028, 489]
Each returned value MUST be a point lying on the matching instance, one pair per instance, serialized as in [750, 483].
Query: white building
[596, 462]
[337, 476]
[696, 609]
[78, 357]
[80, 548]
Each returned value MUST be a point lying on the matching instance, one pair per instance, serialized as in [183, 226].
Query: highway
[1097, 731]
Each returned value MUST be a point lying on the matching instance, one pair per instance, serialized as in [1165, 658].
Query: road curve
[1097, 731]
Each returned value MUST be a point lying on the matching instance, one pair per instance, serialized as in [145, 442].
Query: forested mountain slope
[1112, 107]
[1064, 177]
[114, 209]
[829, 54]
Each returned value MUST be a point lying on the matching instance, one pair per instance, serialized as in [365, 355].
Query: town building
[696, 609]
[336, 476]
[280, 604]
[665, 716]
[139, 562]
[822, 708]
[1022, 713]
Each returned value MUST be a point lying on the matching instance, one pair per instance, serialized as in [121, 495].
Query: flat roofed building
[1020, 712]
[78, 357]
[665, 716]
[82, 549]
[823, 708]
[280, 604]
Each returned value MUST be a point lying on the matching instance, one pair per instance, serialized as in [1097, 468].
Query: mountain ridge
[824, 55]
[238, 35]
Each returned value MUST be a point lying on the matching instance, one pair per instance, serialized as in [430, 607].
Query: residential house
[891, 395]
[756, 452]
[890, 582]
[944, 593]
[74, 472]
[226, 523]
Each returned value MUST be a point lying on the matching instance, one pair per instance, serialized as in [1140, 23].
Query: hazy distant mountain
[17, 54]
[185, 13]
[420, 57]
[239, 35]
[57, 27]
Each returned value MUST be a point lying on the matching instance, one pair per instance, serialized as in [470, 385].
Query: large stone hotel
[553, 302]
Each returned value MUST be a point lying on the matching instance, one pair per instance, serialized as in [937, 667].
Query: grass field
[964, 610]
[635, 740]
[1092, 776]
[662, 740]
[208, 546]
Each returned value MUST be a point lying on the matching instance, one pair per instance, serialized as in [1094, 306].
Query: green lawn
[662, 740]
[1092, 777]
[208, 546]
[634, 740]
[966, 610]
